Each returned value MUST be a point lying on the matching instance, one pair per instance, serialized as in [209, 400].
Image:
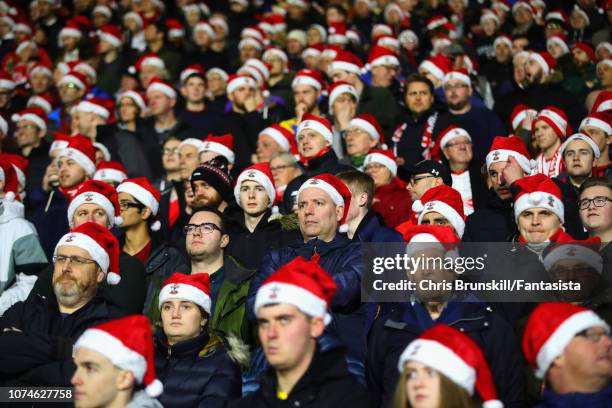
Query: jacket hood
[9, 210]
[141, 399]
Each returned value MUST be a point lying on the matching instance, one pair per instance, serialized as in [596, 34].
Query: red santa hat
[45, 102]
[556, 118]
[445, 200]
[236, 81]
[603, 102]
[381, 29]
[389, 42]
[598, 120]
[560, 40]
[143, 191]
[192, 288]
[458, 75]
[313, 50]
[338, 88]
[110, 170]
[20, 164]
[347, 61]
[518, 115]
[162, 86]
[300, 283]
[103, 149]
[585, 138]
[447, 135]
[310, 77]
[318, 124]
[34, 115]
[41, 68]
[384, 157]
[545, 60]
[382, 56]
[587, 48]
[99, 106]
[139, 99]
[193, 69]
[567, 248]
[218, 71]
[135, 16]
[282, 136]
[74, 77]
[337, 33]
[100, 193]
[71, 29]
[207, 28]
[6, 81]
[502, 39]
[335, 189]
[81, 150]
[101, 245]
[277, 52]
[60, 141]
[370, 124]
[550, 328]
[538, 191]
[434, 234]
[261, 174]
[253, 32]
[175, 28]
[8, 176]
[505, 146]
[438, 66]
[488, 14]
[436, 21]
[581, 13]
[111, 34]
[192, 141]
[250, 41]
[525, 5]
[559, 15]
[104, 10]
[222, 144]
[128, 343]
[150, 60]
[454, 354]
[331, 51]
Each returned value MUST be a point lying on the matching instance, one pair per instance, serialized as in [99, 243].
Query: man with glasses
[569, 347]
[72, 88]
[596, 207]
[37, 335]
[362, 134]
[284, 168]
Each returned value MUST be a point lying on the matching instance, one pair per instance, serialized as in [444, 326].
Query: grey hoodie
[142, 400]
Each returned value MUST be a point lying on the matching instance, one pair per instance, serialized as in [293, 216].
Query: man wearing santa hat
[598, 126]
[30, 135]
[307, 87]
[362, 134]
[579, 153]
[568, 347]
[82, 259]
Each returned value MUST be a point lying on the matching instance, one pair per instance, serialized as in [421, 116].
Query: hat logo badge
[429, 206]
[496, 155]
[274, 292]
[70, 238]
[174, 289]
[88, 196]
[551, 201]
[251, 174]
[415, 350]
[435, 172]
[571, 252]
[314, 181]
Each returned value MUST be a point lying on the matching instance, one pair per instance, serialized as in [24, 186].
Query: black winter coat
[196, 373]
[326, 384]
[493, 223]
[40, 354]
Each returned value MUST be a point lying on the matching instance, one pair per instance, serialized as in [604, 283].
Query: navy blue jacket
[370, 229]
[391, 334]
[601, 399]
[493, 223]
[197, 372]
[51, 223]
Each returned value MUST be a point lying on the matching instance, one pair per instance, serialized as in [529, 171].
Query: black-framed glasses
[126, 205]
[592, 335]
[283, 167]
[74, 260]
[599, 201]
[204, 228]
[413, 180]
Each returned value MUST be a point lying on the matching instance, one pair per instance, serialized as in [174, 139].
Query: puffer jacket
[600, 399]
[199, 372]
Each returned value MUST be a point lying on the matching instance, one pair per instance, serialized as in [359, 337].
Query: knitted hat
[438, 66]
[458, 75]
[193, 69]
[335, 189]
[101, 245]
[346, 61]
[556, 118]
[384, 157]
[216, 174]
[444, 138]
[338, 88]
[567, 248]
[261, 174]
[111, 34]
[368, 123]
[310, 77]
[505, 146]
[454, 354]
[8, 176]
[193, 288]
[81, 150]
[538, 191]
[545, 60]
[34, 115]
[142, 190]
[110, 170]
[128, 343]
[316, 123]
[550, 328]
[282, 136]
[585, 138]
[446, 201]
[518, 115]
[223, 145]
[162, 86]
[382, 56]
[100, 193]
[301, 283]
[238, 80]
[599, 120]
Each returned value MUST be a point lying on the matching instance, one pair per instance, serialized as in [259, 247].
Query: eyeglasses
[75, 260]
[414, 180]
[455, 144]
[593, 336]
[204, 228]
[27, 126]
[126, 205]
[278, 168]
[70, 85]
[597, 202]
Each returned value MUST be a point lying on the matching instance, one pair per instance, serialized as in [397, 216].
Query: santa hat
[282, 136]
[386, 42]
[582, 13]
[458, 75]
[301, 283]
[110, 170]
[71, 29]
[277, 52]
[559, 15]
[111, 34]
[162, 86]
[60, 141]
[150, 60]
[192, 141]
[518, 115]
[313, 50]
[261, 174]
[338, 88]
[603, 102]
[335, 189]
[585, 138]
[382, 56]
[128, 343]
[276, 21]
[207, 28]
[604, 45]
[436, 21]
[587, 48]
[346, 61]
[560, 40]
[447, 135]
[250, 41]
[20, 164]
[101, 245]
[99, 106]
[6, 81]
[34, 115]
[74, 77]
[139, 99]
[445, 200]
[236, 81]
[253, 32]
[381, 29]
[81, 150]
[321, 30]
[556, 118]
[337, 33]
[598, 120]
[505, 146]
[488, 14]
[25, 44]
[502, 39]
[192, 288]
[431, 234]
[318, 124]
[384, 157]
[222, 144]
[331, 51]
[193, 69]
[368, 123]
[100, 193]
[8, 176]
[143, 191]
[104, 10]
[218, 71]
[45, 102]
[567, 248]
[438, 66]
[454, 354]
[310, 77]
[550, 328]
[135, 16]
[175, 28]
[525, 5]
[408, 36]
[41, 68]
[538, 191]
[545, 60]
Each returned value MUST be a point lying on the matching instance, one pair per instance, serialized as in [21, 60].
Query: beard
[458, 105]
[69, 291]
[200, 201]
